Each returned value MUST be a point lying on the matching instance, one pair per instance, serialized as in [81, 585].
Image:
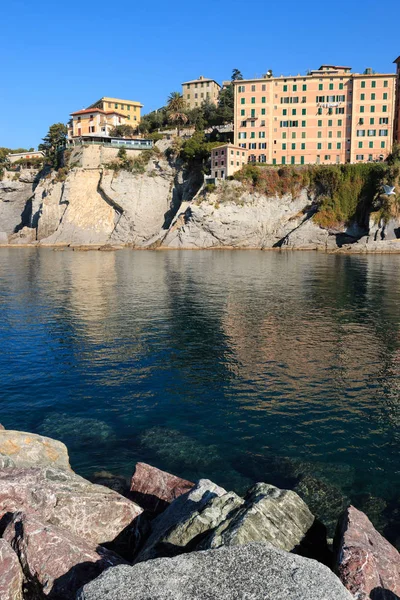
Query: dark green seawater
[239, 366]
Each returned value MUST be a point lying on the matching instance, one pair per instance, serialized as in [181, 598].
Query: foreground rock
[92, 512]
[54, 562]
[19, 449]
[11, 577]
[154, 489]
[253, 572]
[177, 514]
[366, 563]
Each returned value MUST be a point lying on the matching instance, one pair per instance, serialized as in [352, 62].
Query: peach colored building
[328, 116]
[199, 90]
[397, 109]
[129, 108]
[94, 122]
[226, 160]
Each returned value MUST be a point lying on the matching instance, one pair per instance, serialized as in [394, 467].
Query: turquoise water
[240, 366]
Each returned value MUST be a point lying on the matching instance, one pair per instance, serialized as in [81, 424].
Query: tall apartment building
[199, 90]
[129, 108]
[328, 116]
[397, 106]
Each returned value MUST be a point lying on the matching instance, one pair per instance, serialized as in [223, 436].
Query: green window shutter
[338, 145]
[330, 146]
[283, 160]
[304, 87]
[293, 111]
[303, 111]
[319, 146]
[303, 124]
[274, 161]
[242, 100]
[242, 112]
[283, 146]
[373, 84]
[385, 84]
[302, 160]
[371, 144]
[373, 109]
[303, 146]
[284, 112]
[362, 97]
[330, 123]
[384, 108]
[340, 86]
[385, 96]
[253, 100]
[372, 96]
[319, 123]
[263, 100]
[361, 109]
[293, 146]
[285, 88]
[331, 86]
[382, 144]
[292, 160]
[339, 122]
[360, 144]
[363, 84]
[295, 88]
[321, 86]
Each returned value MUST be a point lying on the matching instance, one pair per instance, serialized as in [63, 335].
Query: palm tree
[176, 106]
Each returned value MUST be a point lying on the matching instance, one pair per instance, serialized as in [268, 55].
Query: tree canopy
[55, 138]
[122, 131]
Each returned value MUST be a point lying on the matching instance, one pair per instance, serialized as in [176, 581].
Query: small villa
[226, 160]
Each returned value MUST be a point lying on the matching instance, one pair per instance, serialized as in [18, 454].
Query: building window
[303, 146]
[253, 100]
[329, 145]
[263, 87]
[242, 112]
[360, 144]
[241, 89]
[242, 100]
[320, 86]
[327, 157]
[384, 108]
[362, 97]
[371, 144]
[283, 160]
[331, 86]
[263, 111]
[304, 88]
[115, 105]
[303, 134]
[373, 84]
[295, 88]
[303, 123]
[293, 146]
[383, 121]
[385, 96]
[361, 109]
[303, 111]
[372, 96]
[372, 109]
[339, 145]
[253, 88]
[359, 156]
[340, 86]
[283, 146]
[339, 122]
[319, 134]
[293, 111]
[285, 88]
[319, 146]
[261, 134]
[263, 100]
[383, 132]
[371, 121]
[382, 144]
[330, 123]
[363, 84]
[253, 134]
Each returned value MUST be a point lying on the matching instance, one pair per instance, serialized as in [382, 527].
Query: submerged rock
[154, 489]
[177, 513]
[366, 563]
[251, 572]
[54, 561]
[118, 483]
[11, 576]
[62, 498]
[77, 431]
[19, 449]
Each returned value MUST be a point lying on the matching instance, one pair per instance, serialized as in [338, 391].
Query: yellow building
[199, 90]
[328, 116]
[129, 108]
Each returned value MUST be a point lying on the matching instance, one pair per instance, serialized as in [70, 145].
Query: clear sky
[58, 57]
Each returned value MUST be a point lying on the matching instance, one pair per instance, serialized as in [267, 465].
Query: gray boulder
[174, 522]
[20, 449]
[251, 572]
[269, 514]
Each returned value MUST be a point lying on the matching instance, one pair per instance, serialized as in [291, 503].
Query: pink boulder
[366, 563]
[62, 498]
[154, 489]
[11, 578]
[56, 563]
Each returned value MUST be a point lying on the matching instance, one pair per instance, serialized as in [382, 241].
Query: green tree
[236, 75]
[55, 138]
[176, 108]
[122, 131]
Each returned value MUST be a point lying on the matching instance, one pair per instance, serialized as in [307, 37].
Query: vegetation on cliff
[344, 193]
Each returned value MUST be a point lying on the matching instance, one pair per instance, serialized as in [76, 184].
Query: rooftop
[117, 101]
[200, 80]
[97, 110]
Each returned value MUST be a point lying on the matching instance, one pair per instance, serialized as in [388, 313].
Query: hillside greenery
[344, 193]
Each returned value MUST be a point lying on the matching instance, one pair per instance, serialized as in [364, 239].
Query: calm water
[240, 366]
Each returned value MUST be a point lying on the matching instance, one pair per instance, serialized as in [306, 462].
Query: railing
[133, 145]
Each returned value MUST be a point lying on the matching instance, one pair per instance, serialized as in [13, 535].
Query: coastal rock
[308, 236]
[179, 511]
[154, 489]
[269, 514]
[118, 483]
[366, 563]
[62, 498]
[254, 572]
[15, 198]
[54, 561]
[233, 217]
[19, 449]
[11, 576]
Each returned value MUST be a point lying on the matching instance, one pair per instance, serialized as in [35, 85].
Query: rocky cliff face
[92, 205]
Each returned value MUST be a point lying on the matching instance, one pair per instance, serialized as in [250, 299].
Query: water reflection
[278, 366]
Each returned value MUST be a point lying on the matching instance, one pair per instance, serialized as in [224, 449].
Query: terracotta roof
[97, 110]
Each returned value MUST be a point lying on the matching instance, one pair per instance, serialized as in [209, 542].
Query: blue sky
[60, 57]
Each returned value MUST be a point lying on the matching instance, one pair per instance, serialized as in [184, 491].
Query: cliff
[151, 201]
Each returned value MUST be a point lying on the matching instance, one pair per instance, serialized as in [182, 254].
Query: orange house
[94, 122]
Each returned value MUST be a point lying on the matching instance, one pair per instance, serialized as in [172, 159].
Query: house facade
[397, 105]
[12, 158]
[328, 116]
[200, 90]
[130, 109]
[94, 122]
[226, 160]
